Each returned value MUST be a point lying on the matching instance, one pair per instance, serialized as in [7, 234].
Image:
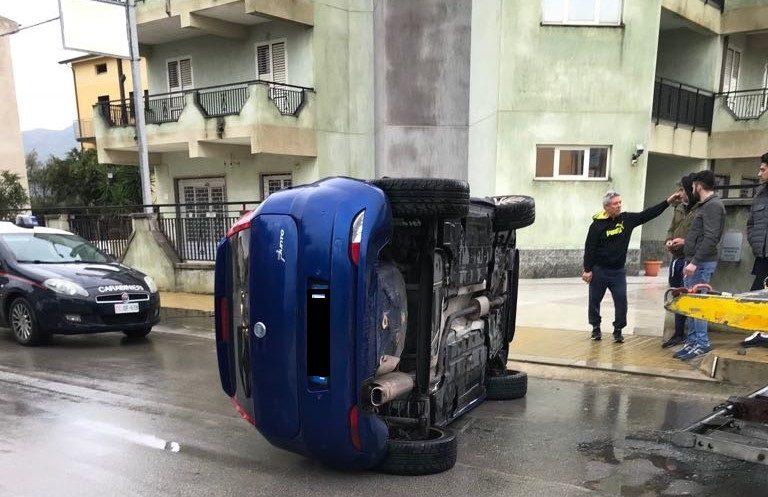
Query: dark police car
[54, 282]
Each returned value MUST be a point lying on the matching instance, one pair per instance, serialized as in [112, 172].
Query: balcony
[254, 117]
[161, 21]
[740, 124]
[682, 105]
[83, 129]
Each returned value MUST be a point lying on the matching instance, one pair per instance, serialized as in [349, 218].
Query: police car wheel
[137, 333]
[23, 323]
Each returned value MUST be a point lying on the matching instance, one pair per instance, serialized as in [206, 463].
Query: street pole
[138, 106]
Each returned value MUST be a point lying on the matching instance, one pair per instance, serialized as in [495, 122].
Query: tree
[12, 193]
[79, 180]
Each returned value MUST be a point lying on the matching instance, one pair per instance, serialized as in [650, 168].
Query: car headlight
[150, 284]
[65, 287]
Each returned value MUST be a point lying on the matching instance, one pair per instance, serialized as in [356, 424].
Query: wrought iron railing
[745, 104]
[215, 101]
[682, 104]
[83, 129]
[746, 190]
[218, 102]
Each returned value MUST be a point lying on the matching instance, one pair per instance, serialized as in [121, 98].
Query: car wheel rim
[22, 322]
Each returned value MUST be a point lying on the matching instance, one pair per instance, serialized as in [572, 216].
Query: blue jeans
[697, 328]
[615, 280]
[676, 281]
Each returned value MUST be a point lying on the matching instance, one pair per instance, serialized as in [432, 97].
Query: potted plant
[652, 267]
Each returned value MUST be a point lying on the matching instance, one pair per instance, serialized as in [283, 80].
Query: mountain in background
[49, 141]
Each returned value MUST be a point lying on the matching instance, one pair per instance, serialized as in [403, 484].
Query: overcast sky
[44, 89]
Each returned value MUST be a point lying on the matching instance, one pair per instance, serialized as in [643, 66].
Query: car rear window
[51, 248]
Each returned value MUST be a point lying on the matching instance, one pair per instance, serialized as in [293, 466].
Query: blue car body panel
[300, 250]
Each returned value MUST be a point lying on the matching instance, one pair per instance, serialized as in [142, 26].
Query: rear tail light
[354, 428]
[223, 322]
[355, 237]
[241, 223]
[242, 412]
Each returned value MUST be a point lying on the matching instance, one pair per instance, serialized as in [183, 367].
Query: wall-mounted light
[639, 149]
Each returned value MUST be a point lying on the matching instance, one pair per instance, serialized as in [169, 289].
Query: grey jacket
[757, 224]
[705, 231]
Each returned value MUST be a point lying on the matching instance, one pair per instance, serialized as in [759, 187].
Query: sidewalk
[552, 328]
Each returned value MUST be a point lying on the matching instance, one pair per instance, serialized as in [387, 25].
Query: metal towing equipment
[739, 427]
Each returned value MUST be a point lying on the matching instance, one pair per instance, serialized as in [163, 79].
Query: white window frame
[266, 177]
[191, 73]
[594, 22]
[269, 43]
[556, 176]
[727, 78]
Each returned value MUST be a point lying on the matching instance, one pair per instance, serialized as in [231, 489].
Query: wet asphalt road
[101, 416]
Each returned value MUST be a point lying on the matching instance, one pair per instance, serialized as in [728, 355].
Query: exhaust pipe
[390, 386]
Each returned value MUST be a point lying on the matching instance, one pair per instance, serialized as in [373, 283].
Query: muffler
[390, 386]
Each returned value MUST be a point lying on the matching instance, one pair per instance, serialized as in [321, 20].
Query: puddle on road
[645, 468]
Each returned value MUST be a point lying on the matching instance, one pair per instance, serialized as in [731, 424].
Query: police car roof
[8, 227]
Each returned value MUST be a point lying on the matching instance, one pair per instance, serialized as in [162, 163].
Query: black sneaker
[618, 337]
[675, 340]
[596, 334]
[756, 340]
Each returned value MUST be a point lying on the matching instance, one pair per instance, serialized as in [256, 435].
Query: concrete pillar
[150, 252]
[58, 221]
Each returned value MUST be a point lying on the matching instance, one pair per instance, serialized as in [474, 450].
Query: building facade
[11, 146]
[557, 99]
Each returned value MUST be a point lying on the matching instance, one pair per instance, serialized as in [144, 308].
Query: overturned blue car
[356, 320]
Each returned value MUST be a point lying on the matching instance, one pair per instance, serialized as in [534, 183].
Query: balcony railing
[682, 104]
[215, 101]
[746, 190]
[746, 104]
[83, 129]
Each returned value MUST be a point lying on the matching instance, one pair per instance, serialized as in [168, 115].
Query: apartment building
[99, 79]
[557, 99]
[11, 146]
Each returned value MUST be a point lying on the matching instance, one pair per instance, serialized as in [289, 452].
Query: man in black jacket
[605, 255]
[757, 234]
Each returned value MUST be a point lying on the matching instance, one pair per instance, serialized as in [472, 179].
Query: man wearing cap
[605, 255]
[678, 228]
[700, 251]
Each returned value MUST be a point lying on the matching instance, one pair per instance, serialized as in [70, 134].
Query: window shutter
[278, 62]
[263, 64]
[185, 70]
[727, 70]
[173, 75]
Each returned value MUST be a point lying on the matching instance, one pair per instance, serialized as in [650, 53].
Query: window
[585, 12]
[274, 182]
[101, 68]
[731, 70]
[572, 162]
[271, 62]
[179, 74]
[204, 214]
[723, 180]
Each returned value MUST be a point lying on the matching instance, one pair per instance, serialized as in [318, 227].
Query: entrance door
[203, 216]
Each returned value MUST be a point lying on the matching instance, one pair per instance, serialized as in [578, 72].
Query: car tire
[507, 386]
[23, 323]
[426, 197]
[513, 212]
[421, 457]
[138, 333]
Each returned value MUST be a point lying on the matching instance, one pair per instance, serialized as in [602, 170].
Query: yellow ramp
[744, 311]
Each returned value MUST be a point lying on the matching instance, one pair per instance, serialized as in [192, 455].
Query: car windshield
[51, 248]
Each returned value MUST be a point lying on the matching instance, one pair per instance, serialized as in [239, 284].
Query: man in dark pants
[757, 234]
[605, 255]
[678, 228]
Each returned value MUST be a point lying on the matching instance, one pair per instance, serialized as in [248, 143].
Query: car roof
[8, 227]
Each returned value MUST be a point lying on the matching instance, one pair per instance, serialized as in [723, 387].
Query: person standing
[757, 226]
[757, 235]
[700, 251]
[605, 255]
[678, 228]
